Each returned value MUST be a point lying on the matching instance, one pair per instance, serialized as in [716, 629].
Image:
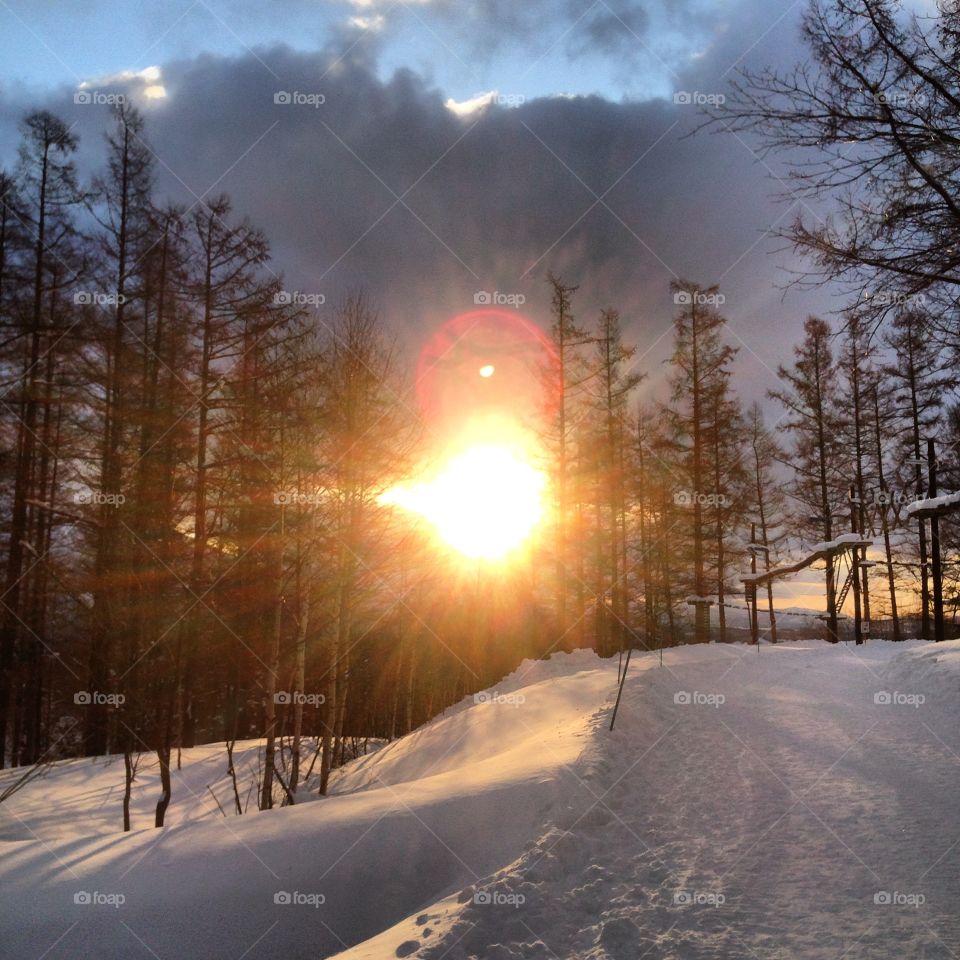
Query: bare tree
[809, 396]
[875, 114]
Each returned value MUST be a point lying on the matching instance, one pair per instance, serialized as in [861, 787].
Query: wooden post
[754, 621]
[937, 571]
[855, 568]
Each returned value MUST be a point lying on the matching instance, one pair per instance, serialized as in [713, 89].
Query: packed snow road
[800, 801]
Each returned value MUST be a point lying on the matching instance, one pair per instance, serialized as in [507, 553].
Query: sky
[433, 149]
[430, 151]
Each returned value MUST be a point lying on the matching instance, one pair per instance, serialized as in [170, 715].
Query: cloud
[386, 184]
[466, 108]
[146, 82]
[375, 22]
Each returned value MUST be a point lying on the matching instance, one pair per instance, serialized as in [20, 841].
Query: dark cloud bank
[488, 201]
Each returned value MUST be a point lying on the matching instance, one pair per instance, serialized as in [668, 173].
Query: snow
[457, 798]
[845, 539]
[796, 801]
[88, 793]
[942, 502]
[817, 551]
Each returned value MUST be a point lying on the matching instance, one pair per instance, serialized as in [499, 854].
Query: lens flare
[485, 502]
[516, 362]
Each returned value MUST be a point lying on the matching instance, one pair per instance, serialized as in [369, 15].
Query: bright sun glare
[485, 502]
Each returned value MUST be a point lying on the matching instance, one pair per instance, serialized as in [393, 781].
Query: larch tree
[44, 201]
[809, 394]
[700, 363]
[921, 375]
[767, 504]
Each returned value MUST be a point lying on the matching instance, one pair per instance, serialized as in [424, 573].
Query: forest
[201, 537]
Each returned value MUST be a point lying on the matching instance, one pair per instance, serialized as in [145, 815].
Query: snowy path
[764, 826]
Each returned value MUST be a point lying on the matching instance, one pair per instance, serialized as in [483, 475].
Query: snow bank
[81, 797]
[411, 824]
[931, 670]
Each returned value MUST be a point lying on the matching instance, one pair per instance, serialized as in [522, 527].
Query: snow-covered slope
[797, 801]
[456, 799]
[82, 797]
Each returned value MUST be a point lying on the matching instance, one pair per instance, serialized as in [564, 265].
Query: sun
[485, 501]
